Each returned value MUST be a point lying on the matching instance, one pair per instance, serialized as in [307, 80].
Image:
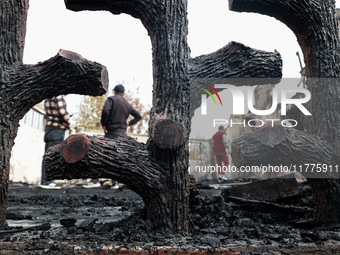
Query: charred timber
[167, 26]
[315, 25]
[234, 64]
[65, 73]
[168, 134]
[287, 147]
[23, 86]
[122, 159]
[311, 21]
[236, 60]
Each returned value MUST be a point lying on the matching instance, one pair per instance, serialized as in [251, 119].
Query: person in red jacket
[220, 150]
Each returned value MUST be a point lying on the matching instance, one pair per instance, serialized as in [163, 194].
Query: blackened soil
[88, 221]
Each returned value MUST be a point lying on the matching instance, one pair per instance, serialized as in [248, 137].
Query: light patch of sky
[118, 42]
[121, 43]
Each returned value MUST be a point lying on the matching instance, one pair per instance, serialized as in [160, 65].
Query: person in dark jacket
[115, 113]
[220, 146]
[114, 117]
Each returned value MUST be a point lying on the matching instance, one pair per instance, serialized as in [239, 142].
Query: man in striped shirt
[57, 122]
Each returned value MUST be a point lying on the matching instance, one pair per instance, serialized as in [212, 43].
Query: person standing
[220, 146]
[114, 117]
[57, 122]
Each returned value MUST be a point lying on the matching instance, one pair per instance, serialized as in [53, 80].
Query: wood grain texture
[234, 64]
[315, 25]
[23, 86]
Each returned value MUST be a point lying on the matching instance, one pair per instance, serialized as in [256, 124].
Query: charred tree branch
[122, 159]
[315, 26]
[234, 64]
[65, 73]
[311, 21]
[283, 146]
[236, 60]
[166, 23]
[168, 134]
[22, 86]
[145, 10]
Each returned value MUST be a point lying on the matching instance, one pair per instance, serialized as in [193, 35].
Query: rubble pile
[92, 219]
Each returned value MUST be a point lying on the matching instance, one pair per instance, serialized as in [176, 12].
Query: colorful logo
[245, 97]
[209, 93]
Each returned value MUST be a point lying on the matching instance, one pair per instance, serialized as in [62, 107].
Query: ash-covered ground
[75, 220]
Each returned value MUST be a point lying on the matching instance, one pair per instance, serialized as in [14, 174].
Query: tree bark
[236, 60]
[166, 23]
[122, 159]
[23, 86]
[315, 26]
[280, 146]
[67, 72]
[169, 126]
[233, 64]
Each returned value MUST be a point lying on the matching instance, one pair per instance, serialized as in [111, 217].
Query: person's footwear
[51, 185]
[116, 186]
[91, 185]
[221, 177]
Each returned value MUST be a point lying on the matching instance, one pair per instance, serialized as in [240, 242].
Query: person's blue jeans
[53, 136]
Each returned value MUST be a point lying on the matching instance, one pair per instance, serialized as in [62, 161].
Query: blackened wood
[234, 64]
[23, 86]
[13, 29]
[13, 26]
[236, 60]
[167, 26]
[288, 147]
[76, 148]
[122, 159]
[166, 23]
[315, 25]
[168, 134]
[251, 203]
[265, 190]
[67, 72]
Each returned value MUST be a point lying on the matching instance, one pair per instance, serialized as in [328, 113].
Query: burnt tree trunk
[233, 64]
[315, 26]
[23, 86]
[122, 159]
[169, 126]
[158, 172]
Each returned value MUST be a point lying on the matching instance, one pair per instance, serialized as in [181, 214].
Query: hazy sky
[121, 43]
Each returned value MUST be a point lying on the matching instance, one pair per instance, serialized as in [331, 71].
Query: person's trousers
[112, 134]
[53, 136]
[221, 157]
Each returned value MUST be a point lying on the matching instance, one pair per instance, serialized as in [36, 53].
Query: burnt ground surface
[74, 220]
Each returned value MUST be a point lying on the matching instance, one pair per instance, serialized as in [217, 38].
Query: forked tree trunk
[159, 171]
[23, 86]
[315, 26]
[166, 197]
[161, 167]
